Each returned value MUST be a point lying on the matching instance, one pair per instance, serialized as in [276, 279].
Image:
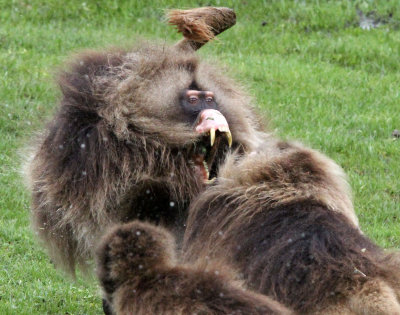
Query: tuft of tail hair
[200, 25]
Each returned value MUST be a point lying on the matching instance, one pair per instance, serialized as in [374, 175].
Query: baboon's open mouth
[213, 145]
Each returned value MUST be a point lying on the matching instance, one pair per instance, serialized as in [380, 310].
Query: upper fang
[212, 136]
[229, 137]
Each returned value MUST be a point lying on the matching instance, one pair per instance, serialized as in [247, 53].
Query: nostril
[211, 119]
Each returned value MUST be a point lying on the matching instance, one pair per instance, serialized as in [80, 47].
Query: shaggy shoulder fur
[283, 218]
[139, 273]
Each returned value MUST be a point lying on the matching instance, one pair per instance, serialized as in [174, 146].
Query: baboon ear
[200, 25]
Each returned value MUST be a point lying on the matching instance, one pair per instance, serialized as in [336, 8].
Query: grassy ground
[313, 71]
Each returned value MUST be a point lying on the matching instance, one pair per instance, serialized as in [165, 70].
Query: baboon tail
[200, 25]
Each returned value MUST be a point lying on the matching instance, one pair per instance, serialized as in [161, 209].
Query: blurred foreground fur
[139, 273]
[283, 218]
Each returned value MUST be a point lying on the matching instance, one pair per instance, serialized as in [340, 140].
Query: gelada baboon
[282, 217]
[140, 274]
[137, 135]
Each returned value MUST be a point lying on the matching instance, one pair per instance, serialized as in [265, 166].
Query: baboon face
[184, 106]
[194, 101]
[201, 110]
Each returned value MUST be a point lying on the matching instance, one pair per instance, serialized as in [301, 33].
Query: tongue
[211, 119]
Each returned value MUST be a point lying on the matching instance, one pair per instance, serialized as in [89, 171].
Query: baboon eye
[193, 99]
[209, 99]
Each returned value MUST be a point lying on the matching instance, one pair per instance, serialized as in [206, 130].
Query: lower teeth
[206, 168]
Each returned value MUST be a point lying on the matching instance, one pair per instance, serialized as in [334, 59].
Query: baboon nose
[212, 120]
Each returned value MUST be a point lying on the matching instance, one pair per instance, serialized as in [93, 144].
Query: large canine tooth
[229, 137]
[212, 136]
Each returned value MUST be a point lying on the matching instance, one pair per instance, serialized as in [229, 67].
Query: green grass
[315, 74]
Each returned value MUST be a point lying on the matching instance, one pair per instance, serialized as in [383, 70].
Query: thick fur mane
[289, 172]
[116, 149]
[283, 217]
[276, 174]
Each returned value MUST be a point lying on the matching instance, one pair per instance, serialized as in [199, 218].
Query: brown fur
[139, 272]
[283, 218]
[117, 148]
[201, 25]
